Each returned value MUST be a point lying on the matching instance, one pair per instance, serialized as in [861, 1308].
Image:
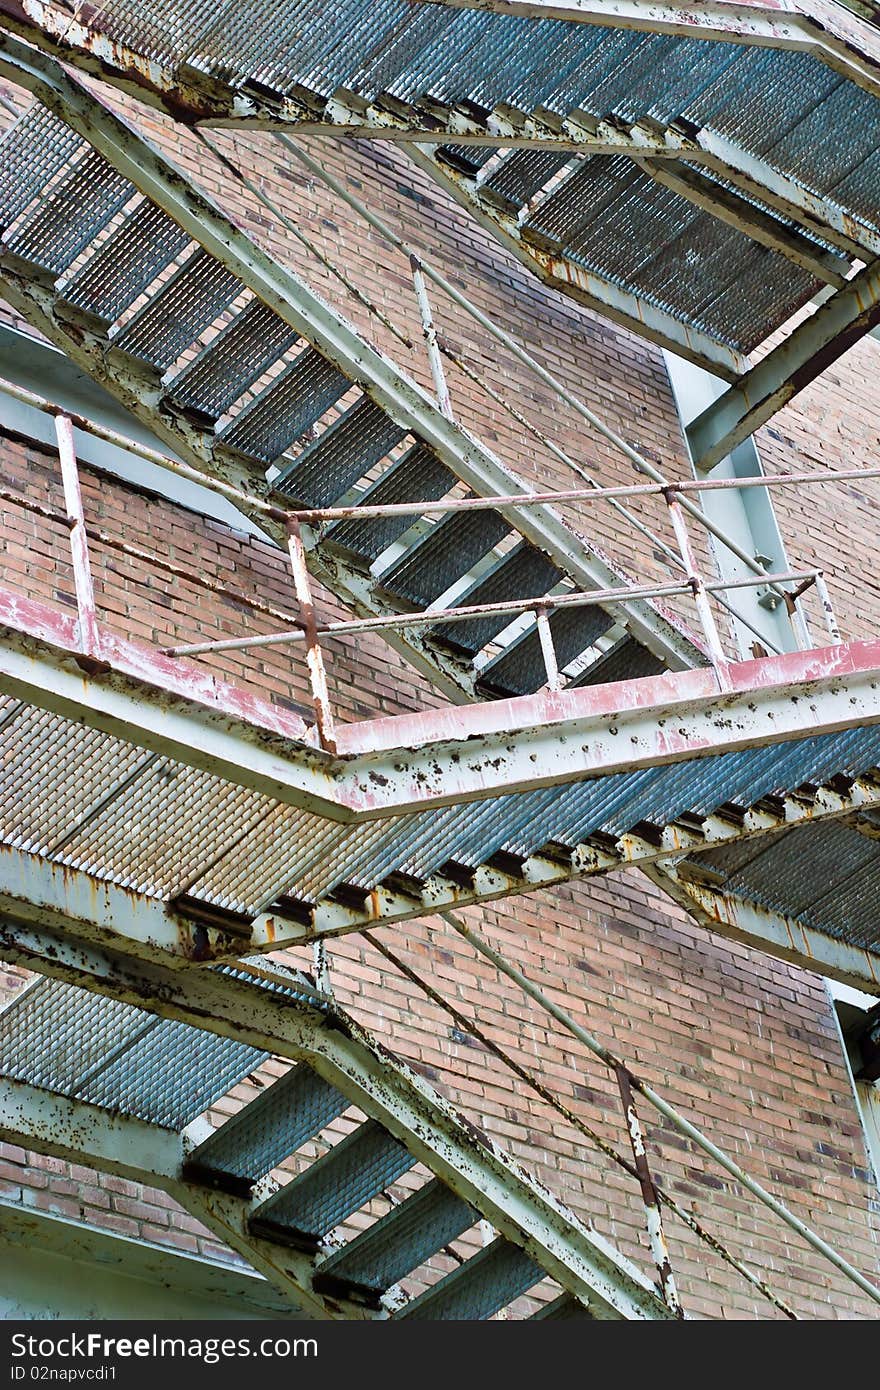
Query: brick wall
[745, 1045]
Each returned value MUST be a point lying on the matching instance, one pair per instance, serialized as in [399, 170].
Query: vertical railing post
[321, 966]
[701, 598]
[441, 389]
[650, 1197]
[314, 655]
[799, 627]
[89, 634]
[548, 649]
[827, 609]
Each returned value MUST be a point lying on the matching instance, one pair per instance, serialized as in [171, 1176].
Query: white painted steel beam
[77, 1132]
[775, 934]
[816, 343]
[49, 894]
[582, 1261]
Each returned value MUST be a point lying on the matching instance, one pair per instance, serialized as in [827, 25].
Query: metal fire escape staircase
[603, 146]
[96, 1080]
[238, 365]
[129, 312]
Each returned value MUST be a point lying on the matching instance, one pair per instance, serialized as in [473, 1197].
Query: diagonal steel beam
[775, 934]
[817, 342]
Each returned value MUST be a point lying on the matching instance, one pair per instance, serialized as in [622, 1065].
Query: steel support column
[817, 342]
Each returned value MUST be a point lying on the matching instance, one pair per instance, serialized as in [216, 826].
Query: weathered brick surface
[745, 1045]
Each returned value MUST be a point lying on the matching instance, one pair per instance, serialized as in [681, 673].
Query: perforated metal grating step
[524, 572]
[282, 412]
[520, 670]
[173, 318]
[400, 1241]
[418, 476]
[355, 1170]
[478, 1288]
[232, 361]
[268, 1129]
[126, 262]
[449, 550]
[115, 1055]
[77, 207]
[346, 451]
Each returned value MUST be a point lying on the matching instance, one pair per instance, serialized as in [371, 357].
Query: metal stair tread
[401, 1240]
[173, 317]
[63, 222]
[125, 263]
[352, 1172]
[232, 361]
[519, 669]
[267, 1130]
[285, 408]
[524, 572]
[485, 1283]
[418, 476]
[346, 451]
[448, 550]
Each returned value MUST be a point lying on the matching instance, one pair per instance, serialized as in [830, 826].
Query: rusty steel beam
[90, 909]
[835, 327]
[414, 762]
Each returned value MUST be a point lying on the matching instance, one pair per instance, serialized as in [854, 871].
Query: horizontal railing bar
[482, 610]
[133, 446]
[317, 515]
